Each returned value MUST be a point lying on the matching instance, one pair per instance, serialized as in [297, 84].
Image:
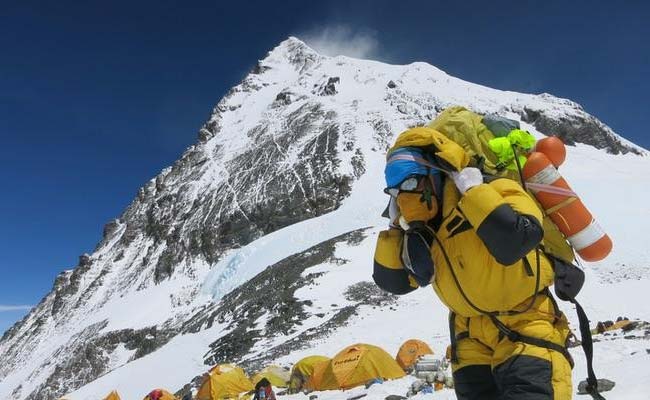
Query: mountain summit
[255, 245]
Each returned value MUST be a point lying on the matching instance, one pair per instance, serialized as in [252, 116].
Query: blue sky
[97, 97]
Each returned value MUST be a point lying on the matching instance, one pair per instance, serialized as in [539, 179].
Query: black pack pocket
[568, 279]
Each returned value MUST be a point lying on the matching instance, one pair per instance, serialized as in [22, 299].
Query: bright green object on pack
[504, 148]
[521, 139]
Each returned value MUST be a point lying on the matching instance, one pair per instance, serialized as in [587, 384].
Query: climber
[264, 390]
[476, 239]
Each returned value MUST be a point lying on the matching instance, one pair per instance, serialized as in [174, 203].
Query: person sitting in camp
[476, 240]
[264, 390]
[159, 394]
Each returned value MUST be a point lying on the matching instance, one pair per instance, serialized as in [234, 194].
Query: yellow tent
[159, 394]
[409, 353]
[302, 371]
[113, 396]
[317, 376]
[224, 381]
[354, 366]
[278, 376]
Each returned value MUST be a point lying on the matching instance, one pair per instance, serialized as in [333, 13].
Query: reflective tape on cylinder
[546, 176]
[586, 237]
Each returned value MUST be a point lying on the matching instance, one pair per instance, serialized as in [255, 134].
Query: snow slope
[293, 158]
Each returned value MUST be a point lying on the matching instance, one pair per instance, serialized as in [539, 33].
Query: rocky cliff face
[289, 144]
[579, 127]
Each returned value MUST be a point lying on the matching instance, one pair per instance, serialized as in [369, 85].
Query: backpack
[474, 133]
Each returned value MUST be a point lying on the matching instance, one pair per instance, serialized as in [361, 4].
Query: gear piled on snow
[433, 375]
[625, 325]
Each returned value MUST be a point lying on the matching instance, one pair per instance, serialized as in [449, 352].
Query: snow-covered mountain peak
[281, 195]
[291, 51]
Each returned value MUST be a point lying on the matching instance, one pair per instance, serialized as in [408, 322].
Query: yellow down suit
[508, 335]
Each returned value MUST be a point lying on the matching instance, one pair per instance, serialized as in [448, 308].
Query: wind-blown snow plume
[339, 40]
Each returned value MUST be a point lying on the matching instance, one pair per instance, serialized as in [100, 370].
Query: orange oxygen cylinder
[553, 148]
[565, 208]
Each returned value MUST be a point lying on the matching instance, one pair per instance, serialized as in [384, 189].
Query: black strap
[452, 337]
[521, 174]
[527, 267]
[587, 344]
[588, 348]
[556, 309]
[515, 336]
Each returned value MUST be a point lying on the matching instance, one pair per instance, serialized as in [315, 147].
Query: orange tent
[354, 366]
[410, 352]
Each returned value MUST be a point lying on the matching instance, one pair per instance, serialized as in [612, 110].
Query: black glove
[416, 252]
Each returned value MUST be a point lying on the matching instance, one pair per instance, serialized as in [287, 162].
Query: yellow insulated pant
[488, 365]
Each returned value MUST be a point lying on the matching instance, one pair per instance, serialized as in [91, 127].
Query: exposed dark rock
[67, 284]
[391, 85]
[329, 89]
[85, 260]
[282, 99]
[370, 294]
[204, 135]
[383, 133]
[358, 163]
[259, 69]
[110, 228]
[278, 283]
[245, 305]
[576, 129]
